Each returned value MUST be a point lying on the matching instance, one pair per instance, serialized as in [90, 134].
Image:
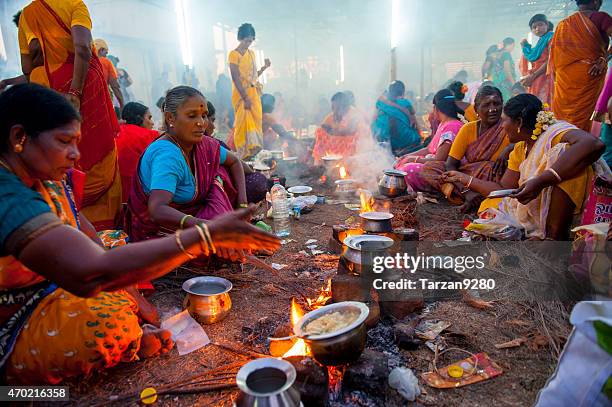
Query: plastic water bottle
[280, 209]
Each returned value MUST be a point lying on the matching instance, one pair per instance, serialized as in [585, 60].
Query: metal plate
[355, 241]
[300, 189]
[502, 193]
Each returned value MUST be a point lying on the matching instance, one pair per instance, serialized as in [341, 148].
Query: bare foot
[154, 342]
[146, 311]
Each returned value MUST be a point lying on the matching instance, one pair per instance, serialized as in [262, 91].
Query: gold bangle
[182, 222]
[556, 174]
[208, 237]
[469, 183]
[203, 240]
[243, 205]
[177, 237]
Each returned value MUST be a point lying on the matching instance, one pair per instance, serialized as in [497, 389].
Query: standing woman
[504, 74]
[536, 80]
[248, 134]
[62, 29]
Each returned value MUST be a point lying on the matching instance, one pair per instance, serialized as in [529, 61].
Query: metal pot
[341, 347]
[267, 382]
[353, 257]
[277, 155]
[393, 184]
[376, 222]
[208, 299]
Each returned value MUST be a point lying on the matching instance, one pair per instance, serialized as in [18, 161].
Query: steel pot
[267, 382]
[353, 256]
[393, 184]
[277, 155]
[376, 222]
[208, 299]
[341, 347]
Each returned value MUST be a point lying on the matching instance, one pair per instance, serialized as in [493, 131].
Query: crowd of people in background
[173, 186]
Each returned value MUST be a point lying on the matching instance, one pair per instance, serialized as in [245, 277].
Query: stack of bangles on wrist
[206, 243]
[75, 92]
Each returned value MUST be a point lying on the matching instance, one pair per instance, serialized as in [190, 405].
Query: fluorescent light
[341, 63]
[184, 31]
[262, 60]
[395, 23]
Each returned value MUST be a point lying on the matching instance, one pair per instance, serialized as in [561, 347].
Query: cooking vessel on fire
[277, 155]
[359, 248]
[208, 300]
[340, 347]
[376, 222]
[393, 184]
[267, 382]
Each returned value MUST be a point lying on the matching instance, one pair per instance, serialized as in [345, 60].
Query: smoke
[369, 162]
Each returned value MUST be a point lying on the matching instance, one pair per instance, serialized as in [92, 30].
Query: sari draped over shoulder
[247, 132]
[543, 155]
[132, 141]
[480, 155]
[575, 46]
[99, 125]
[532, 59]
[47, 333]
[209, 200]
[393, 126]
[344, 145]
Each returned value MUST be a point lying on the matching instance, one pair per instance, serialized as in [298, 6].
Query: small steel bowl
[340, 347]
[376, 222]
[208, 299]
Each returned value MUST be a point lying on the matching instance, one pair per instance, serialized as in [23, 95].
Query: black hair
[456, 88]
[16, 17]
[583, 2]
[551, 26]
[524, 107]
[160, 103]
[492, 50]
[245, 30]
[538, 18]
[341, 98]
[508, 41]
[177, 96]
[267, 103]
[444, 101]
[351, 97]
[211, 109]
[17, 104]
[486, 91]
[133, 113]
[396, 89]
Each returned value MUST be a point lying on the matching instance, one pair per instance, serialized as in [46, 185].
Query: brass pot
[340, 347]
[208, 299]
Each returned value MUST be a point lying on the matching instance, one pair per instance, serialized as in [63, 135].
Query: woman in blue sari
[396, 122]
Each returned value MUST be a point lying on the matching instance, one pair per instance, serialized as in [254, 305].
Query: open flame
[367, 201]
[299, 348]
[325, 295]
[343, 173]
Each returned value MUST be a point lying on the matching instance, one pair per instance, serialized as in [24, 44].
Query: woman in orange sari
[341, 130]
[578, 61]
[62, 29]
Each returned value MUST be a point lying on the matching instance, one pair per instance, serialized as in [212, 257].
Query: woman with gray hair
[178, 182]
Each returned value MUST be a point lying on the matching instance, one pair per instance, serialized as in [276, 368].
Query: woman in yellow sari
[62, 30]
[551, 165]
[64, 310]
[248, 133]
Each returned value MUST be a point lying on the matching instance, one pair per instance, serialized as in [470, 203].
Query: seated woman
[551, 165]
[71, 316]
[447, 114]
[459, 90]
[475, 151]
[341, 130]
[133, 139]
[179, 179]
[396, 122]
[256, 183]
[274, 132]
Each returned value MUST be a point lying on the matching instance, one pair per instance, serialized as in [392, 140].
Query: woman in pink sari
[178, 182]
[446, 112]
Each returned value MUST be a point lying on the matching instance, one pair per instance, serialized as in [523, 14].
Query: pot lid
[376, 215]
[395, 173]
[374, 242]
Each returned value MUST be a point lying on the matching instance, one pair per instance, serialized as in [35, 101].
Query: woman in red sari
[133, 139]
[534, 61]
[178, 182]
[62, 30]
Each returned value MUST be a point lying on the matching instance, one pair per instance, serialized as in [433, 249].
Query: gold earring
[518, 131]
[18, 148]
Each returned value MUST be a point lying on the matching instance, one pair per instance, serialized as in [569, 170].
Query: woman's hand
[471, 203]
[74, 100]
[247, 103]
[524, 42]
[267, 63]
[455, 176]
[598, 67]
[528, 80]
[230, 231]
[530, 190]
[406, 159]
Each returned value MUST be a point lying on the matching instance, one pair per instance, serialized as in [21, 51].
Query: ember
[335, 374]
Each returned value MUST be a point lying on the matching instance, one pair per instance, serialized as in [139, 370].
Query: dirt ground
[261, 302]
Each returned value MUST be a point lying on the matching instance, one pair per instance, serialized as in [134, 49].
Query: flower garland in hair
[465, 89]
[462, 118]
[544, 120]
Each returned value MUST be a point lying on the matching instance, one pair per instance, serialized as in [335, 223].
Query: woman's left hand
[529, 190]
[598, 67]
[455, 176]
